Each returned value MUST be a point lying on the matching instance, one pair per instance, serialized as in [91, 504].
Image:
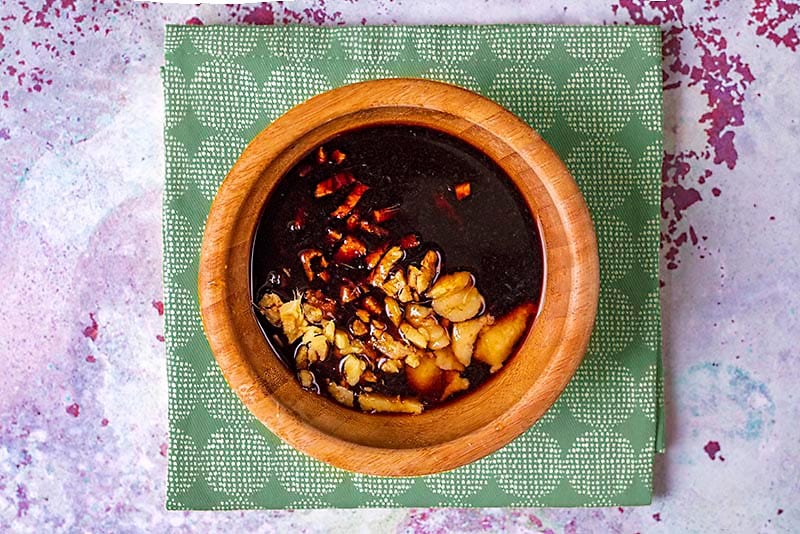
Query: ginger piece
[348, 292]
[314, 338]
[329, 330]
[372, 228]
[437, 336]
[428, 269]
[426, 378]
[451, 283]
[293, 320]
[417, 313]
[464, 335]
[318, 348]
[333, 236]
[358, 328]
[306, 378]
[317, 299]
[312, 313]
[389, 366]
[413, 274]
[393, 311]
[391, 347]
[301, 357]
[341, 394]
[496, 342]
[352, 368]
[447, 361]
[460, 305]
[413, 336]
[454, 383]
[269, 306]
[413, 359]
[372, 306]
[396, 286]
[375, 402]
[371, 260]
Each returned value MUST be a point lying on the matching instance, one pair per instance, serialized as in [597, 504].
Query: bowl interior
[454, 433]
[491, 233]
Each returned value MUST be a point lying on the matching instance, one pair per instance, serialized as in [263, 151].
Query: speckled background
[82, 376]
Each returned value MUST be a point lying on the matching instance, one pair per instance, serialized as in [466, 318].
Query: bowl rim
[571, 250]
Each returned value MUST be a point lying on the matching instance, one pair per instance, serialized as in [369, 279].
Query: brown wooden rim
[549, 356]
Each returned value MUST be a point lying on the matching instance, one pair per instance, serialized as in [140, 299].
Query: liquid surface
[489, 233]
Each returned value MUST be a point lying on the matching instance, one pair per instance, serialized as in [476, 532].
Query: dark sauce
[490, 233]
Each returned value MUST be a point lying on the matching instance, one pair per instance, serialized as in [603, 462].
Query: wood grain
[476, 424]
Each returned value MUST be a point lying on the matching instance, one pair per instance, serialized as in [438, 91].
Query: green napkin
[594, 93]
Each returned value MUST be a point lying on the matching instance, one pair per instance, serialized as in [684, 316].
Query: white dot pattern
[183, 320]
[648, 166]
[381, 486]
[366, 48]
[610, 47]
[646, 393]
[301, 43]
[615, 261]
[648, 98]
[374, 72]
[225, 407]
[237, 503]
[301, 474]
[214, 152]
[649, 322]
[445, 47]
[181, 401]
[461, 484]
[234, 461]
[184, 242]
[530, 466]
[644, 464]
[309, 503]
[601, 393]
[182, 465]
[531, 92]
[219, 42]
[597, 101]
[290, 85]
[231, 109]
[614, 328]
[525, 44]
[647, 247]
[601, 464]
[176, 169]
[381, 502]
[176, 96]
[604, 172]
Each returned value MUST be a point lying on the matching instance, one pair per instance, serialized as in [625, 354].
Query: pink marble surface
[83, 428]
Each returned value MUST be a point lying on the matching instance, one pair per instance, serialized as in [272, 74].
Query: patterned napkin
[594, 93]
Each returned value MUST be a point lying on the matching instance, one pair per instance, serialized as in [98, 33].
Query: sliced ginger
[375, 402]
[464, 335]
[426, 378]
[496, 342]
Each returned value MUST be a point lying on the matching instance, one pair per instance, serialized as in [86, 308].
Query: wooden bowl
[461, 431]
